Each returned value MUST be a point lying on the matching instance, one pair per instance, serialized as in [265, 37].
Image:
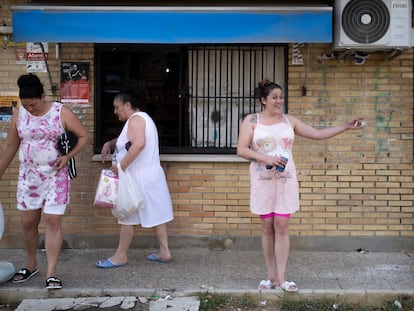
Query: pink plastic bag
[107, 190]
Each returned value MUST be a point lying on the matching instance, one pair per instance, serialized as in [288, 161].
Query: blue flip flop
[108, 263]
[154, 257]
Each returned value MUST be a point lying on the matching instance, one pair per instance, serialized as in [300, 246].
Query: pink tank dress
[273, 191]
[39, 184]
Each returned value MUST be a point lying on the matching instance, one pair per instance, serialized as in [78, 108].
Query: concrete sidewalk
[226, 271]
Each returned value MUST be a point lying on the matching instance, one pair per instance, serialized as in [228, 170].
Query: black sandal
[53, 283]
[23, 275]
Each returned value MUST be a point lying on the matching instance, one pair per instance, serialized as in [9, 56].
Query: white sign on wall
[35, 61]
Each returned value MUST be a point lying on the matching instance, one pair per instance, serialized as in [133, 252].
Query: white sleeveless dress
[149, 175]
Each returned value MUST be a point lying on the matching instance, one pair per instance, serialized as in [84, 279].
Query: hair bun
[264, 83]
[28, 80]
[30, 86]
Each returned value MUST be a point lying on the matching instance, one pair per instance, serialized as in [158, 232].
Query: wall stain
[324, 100]
[382, 111]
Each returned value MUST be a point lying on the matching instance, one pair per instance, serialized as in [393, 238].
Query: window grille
[222, 88]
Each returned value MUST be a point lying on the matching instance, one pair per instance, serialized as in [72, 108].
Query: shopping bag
[130, 198]
[107, 190]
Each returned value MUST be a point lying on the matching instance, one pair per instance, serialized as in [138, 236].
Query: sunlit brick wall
[357, 184]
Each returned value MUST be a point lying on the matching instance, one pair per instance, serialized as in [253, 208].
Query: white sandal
[265, 284]
[289, 286]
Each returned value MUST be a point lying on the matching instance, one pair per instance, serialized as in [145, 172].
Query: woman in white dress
[136, 150]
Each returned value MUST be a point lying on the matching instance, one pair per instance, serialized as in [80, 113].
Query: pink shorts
[265, 216]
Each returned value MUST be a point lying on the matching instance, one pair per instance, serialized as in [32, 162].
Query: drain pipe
[53, 87]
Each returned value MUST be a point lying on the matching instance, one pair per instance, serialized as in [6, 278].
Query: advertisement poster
[74, 86]
[7, 103]
[35, 62]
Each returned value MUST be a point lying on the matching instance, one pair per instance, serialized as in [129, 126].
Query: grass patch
[319, 305]
[405, 303]
[217, 301]
[250, 302]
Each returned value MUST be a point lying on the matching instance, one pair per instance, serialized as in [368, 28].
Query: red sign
[74, 86]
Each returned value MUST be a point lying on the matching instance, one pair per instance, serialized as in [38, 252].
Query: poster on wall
[35, 60]
[21, 55]
[74, 83]
[8, 102]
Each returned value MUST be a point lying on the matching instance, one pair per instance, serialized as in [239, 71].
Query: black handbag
[66, 142]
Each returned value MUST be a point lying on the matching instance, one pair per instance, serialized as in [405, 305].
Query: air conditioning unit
[372, 24]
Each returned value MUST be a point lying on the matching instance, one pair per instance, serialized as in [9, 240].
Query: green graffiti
[379, 119]
[323, 101]
[378, 76]
[324, 98]
[383, 116]
[381, 146]
[382, 110]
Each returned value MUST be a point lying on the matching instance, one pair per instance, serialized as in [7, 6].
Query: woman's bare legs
[268, 246]
[162, 236]
[53, 241]
[126, 234]
[30, 233]
[282, 245]
[275, 245]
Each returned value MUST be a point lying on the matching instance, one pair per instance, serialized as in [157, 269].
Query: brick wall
[357, 184]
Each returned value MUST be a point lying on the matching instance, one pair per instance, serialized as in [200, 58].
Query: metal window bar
[222, 89]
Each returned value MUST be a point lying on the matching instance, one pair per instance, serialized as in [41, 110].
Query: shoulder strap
[287, 119]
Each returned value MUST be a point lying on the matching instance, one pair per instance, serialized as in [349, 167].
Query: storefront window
[197, 95]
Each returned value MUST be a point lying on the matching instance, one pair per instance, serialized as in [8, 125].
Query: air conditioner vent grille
[365, 21]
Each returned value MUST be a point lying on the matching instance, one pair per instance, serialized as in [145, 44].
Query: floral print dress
[39, 184]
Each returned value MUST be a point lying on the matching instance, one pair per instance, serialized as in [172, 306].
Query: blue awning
[178, 25]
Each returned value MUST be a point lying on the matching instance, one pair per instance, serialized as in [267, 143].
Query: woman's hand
[106, 149]
[275, 161]
[61, 162]
[356, 124]
[114, 169]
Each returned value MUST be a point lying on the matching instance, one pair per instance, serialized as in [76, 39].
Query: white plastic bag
[7, 271]
[129, 198]
[107, 190]
[6, 268]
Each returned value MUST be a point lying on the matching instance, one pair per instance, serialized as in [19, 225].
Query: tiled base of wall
[298, 243]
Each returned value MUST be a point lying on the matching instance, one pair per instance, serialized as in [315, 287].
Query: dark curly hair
[30, 86]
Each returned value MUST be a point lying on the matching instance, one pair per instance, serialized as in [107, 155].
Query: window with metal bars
[197, 95]
[222, 82]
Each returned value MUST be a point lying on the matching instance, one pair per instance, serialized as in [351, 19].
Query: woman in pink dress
[266, 140]
[44, 182]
